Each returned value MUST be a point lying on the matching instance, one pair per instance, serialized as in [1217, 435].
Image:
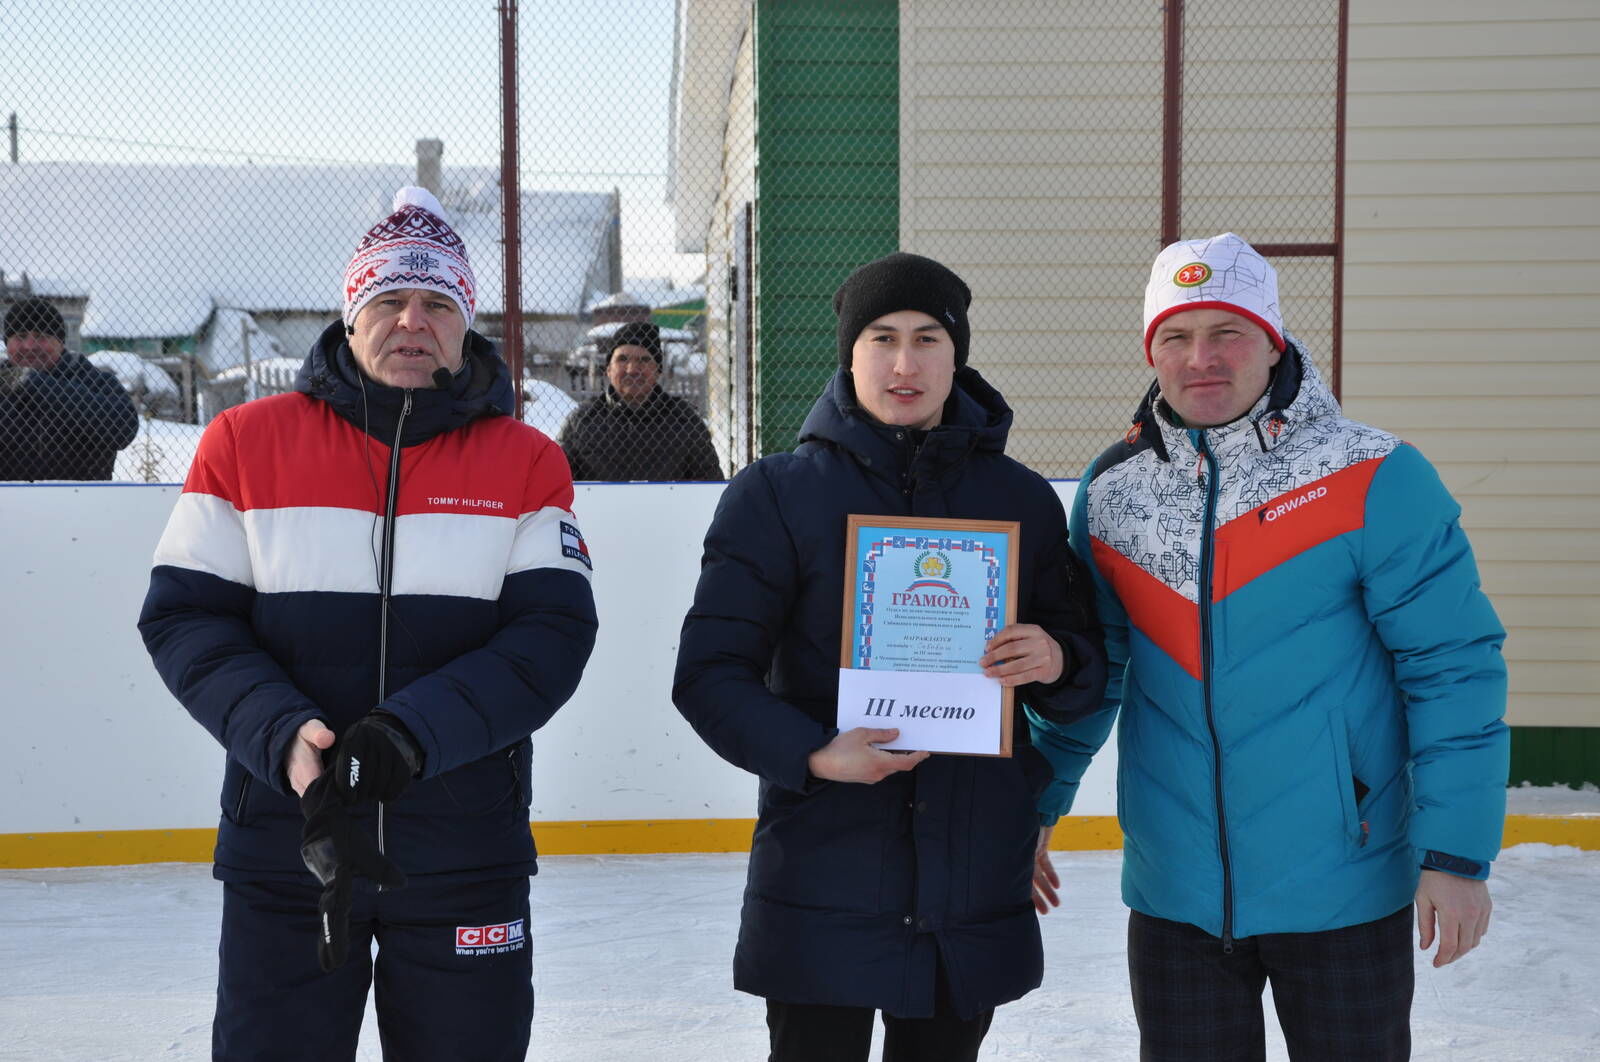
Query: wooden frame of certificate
[922, 598]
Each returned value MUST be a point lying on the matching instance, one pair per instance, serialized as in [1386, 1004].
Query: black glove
[375, 759]
[336, 850]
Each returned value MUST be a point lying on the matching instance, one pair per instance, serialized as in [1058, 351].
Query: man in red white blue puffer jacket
[1310, 686]
[371, 592]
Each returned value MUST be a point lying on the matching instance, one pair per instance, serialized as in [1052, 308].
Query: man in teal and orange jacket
[1310, 685]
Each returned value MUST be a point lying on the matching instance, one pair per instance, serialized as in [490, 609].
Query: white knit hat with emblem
[1221, 272]
[414, 247]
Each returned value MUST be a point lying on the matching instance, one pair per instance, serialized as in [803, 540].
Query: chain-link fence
[185, 184]
[1045, 151]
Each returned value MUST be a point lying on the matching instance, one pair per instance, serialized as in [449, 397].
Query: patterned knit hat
[1220, 273]
[414, 247]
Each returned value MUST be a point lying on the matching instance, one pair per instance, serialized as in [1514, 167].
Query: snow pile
[546, 406]
[151, 389]
[160, 453]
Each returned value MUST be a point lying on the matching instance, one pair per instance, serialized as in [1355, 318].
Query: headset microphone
[349, 330]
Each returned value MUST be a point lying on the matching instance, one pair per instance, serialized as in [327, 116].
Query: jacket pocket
[236, 794]
[830, 849]
[477, 788]
[1349, 787]
[520, 756]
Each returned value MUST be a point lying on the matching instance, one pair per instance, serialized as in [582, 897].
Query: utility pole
[510, 198]
[12, 125]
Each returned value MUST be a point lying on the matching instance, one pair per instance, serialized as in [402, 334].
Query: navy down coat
[270, 584]
[67, 422]
[857, 893]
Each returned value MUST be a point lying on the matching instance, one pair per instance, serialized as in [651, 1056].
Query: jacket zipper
[1205, 685]
[386, 574]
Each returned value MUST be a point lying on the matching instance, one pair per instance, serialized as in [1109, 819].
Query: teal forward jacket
[1310, 680]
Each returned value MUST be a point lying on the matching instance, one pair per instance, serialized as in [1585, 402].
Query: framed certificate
[922, 598]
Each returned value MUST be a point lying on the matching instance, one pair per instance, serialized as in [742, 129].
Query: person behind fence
[1310, 684]
[371, 592]
[60, 416]
[635, 430]
[881, 881]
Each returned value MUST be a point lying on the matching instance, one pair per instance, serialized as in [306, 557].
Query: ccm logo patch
[1283, 508]
[490, 940]
[573, 545]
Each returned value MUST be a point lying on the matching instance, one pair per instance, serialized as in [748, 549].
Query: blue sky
[289, 80]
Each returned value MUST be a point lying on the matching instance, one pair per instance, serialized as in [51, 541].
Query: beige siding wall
[1031, 164]
[1472, 303]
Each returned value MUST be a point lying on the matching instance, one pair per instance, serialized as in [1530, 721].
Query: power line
[189, 147]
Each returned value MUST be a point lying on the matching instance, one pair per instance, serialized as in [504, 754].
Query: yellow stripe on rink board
[641, 836]
[1086, 833]
[1076, 833]
[96, 848]
[1580, 831]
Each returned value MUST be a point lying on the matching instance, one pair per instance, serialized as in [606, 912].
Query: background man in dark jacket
[636, 430]
[372, 590]
[884, 881]
[60, 417]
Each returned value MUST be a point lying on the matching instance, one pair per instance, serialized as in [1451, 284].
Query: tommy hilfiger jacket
[347, 527]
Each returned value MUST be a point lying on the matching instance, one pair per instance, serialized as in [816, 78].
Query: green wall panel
[1555, 755]
[827, 184]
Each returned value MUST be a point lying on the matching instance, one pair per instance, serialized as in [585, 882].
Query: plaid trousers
[1341, 994]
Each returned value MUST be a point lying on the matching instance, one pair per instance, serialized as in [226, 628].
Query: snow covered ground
[631, 960]
[1553, 800]
[160, 453]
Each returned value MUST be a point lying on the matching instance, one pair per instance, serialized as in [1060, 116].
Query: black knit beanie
[634, 334]
[898, 282]
[35, 315]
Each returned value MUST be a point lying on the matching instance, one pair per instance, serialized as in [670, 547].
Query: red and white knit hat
[1222, 273]
[414, 247]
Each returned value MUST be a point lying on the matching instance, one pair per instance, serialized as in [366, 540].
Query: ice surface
[632, 955]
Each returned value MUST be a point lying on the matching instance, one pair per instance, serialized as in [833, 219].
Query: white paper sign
[937, 711]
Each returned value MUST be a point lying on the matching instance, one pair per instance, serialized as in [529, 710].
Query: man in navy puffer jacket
[371, 592]
[880, 881]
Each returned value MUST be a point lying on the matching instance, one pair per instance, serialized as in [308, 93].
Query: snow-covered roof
[648, 293]
[668, 335]
[52, 287]
[617, 301]
[157, 246]
[133, 372]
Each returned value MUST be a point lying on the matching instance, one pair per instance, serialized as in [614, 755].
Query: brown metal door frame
[1172, 166]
